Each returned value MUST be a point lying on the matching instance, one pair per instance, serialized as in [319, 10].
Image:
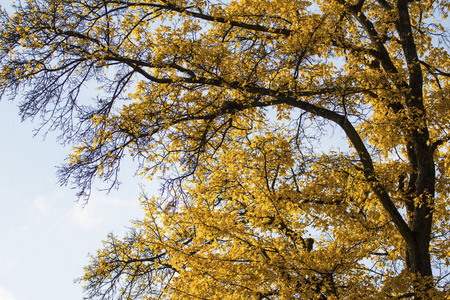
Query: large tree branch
[366, 160]
[206, 17]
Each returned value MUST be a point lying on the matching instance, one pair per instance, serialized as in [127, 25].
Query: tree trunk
[419, 261]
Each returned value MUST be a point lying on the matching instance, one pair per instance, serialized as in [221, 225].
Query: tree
[229, 102]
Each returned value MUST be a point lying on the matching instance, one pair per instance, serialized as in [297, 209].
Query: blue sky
[45, 234]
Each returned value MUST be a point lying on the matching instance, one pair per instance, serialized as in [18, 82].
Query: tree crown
[229, 102]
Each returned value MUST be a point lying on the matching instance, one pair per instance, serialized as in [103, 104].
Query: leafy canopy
[229, 103]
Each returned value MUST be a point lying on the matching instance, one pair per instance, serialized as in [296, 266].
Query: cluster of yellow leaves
[238, 230]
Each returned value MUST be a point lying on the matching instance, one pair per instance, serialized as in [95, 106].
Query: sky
[45, 235]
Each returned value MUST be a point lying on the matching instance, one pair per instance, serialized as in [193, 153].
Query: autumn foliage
[303, 145]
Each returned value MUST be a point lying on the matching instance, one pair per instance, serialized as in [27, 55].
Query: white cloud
[102, 209]
[42, 207]
[86, 217]
[5, 294]
[47, 207]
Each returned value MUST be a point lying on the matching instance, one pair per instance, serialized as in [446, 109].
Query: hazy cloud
[5, 294]
[42, 207]
[100, 210]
